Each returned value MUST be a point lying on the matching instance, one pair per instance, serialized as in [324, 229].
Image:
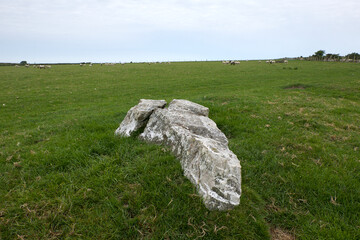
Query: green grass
[64, 175]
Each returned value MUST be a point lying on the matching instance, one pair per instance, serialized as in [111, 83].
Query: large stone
[138, 116]
[202, 149]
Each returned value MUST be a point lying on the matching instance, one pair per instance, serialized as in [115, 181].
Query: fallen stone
[138, 116]
[202, 150]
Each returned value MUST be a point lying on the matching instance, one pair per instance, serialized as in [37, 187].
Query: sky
[175, 30]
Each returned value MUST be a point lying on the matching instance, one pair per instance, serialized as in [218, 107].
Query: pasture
[294, 127]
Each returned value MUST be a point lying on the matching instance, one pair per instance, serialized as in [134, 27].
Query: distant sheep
[234, 62]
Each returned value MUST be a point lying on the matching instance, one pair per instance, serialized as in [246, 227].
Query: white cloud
[102, 22]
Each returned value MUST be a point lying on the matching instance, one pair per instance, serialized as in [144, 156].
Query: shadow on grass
[296, 86]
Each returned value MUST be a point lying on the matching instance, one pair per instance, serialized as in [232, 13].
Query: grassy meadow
[294, 127]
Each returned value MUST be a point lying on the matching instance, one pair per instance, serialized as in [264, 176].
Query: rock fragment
[138, 115]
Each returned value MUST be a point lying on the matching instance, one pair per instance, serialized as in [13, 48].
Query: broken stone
[187, 106]
[202, 150]
[138, 116]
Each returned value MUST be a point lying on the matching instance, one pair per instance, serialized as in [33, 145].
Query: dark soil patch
[296, 86]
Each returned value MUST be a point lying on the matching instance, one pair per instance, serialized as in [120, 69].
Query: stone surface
[202, 149]
[187, 106]
[138, 116]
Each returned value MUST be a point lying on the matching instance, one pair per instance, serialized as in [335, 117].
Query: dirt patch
[296, 86]
[280, 234]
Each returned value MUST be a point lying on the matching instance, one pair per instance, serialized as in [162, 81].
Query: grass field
[64, 175]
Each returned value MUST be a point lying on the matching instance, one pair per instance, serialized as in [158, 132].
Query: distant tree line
[7, 64]
[331, 57]
[22, 63]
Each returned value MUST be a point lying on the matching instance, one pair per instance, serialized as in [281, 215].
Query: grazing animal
[234, 62]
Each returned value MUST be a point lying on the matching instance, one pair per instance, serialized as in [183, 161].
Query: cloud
[188, 24]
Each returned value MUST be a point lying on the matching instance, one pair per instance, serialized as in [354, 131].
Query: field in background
[295, 128]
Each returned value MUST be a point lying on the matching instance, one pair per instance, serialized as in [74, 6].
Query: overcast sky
[166, 30]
